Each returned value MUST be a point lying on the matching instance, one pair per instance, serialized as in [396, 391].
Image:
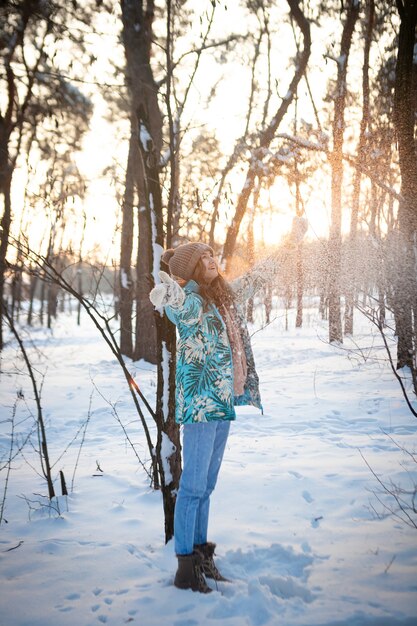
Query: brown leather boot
[189, 573]
[208, 565]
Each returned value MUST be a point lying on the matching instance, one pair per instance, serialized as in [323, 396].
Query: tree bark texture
[352, 252]
[126, 248]
[336, 160]
[137, 17]
[405, 300]
[137, 37]
[6, 220]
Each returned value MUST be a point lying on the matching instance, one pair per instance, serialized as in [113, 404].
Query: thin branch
[126, 434]
[87, 421]
[51, 274]
[43, 452]
[352, 160]
[394, 369]
[390, 491]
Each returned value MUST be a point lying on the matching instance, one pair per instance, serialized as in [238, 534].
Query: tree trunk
[268, 303]
[352, 252]
[126, 247]
[335, 240]
[17, 281]
[6, 220]
[168, 448]
[147, 129]
[300, 285]
[268, 134]
[299, 252]
[137, 37]
[251, 247]
[79, 289]
[404, 117]
[149, 200]
[33, 278]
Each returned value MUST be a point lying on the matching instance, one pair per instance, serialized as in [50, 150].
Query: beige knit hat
[183, 259]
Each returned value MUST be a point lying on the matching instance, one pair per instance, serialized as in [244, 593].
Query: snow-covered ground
[293, 514]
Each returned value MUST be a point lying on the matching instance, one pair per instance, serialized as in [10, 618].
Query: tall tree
[137, 17]
[266, 136]
[35, 91]
[362, 160]
[336, 161]
[405, 123]
[144, 154]
[126, 249]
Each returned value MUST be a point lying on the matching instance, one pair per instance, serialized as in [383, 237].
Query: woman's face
[210, 267]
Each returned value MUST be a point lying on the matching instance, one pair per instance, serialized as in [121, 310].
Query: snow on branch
[349, 158]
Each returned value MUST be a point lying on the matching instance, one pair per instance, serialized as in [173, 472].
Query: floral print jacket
[204, 373]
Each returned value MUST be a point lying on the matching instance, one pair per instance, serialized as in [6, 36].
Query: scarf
[240, 368]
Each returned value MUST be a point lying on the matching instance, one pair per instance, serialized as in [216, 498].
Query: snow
[145, 137]
[167, 450]
[124, 279]
[165, 369]
[156, 247]
[341, 60]
[306, 143]
[292, 514]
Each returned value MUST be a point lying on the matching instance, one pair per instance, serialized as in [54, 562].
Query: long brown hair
[217, 292]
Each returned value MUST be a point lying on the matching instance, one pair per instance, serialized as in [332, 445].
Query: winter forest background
[129, 127]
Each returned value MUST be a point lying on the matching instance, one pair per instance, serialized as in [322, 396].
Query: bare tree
[126, 249]
[336, 161]
[43, 445]
[362, 158]
[147, 128]
[35, 91]
[268, 133]
[405, 308]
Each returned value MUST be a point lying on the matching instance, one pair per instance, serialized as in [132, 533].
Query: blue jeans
[203, 448]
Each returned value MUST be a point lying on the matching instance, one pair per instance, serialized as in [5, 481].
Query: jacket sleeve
[265, 272]
[189, 312]
[260, 276]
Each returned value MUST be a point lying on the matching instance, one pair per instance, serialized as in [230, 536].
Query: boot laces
[198, 568]
[210, 565]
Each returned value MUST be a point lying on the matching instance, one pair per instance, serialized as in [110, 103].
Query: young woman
[215, 372]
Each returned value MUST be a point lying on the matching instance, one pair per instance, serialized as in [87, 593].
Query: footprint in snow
[307, 497]
[315, 523]
[295, 474]
[71, 597]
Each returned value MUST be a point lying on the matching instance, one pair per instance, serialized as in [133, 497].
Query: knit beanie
[183, 259]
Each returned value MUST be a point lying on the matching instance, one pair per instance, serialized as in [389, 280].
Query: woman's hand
[167, 292]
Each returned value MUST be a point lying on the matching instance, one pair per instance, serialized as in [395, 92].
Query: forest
[130, 127]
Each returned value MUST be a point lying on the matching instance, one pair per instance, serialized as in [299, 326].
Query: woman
[215, 372]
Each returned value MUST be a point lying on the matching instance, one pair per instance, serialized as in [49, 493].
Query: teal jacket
[204, 372]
